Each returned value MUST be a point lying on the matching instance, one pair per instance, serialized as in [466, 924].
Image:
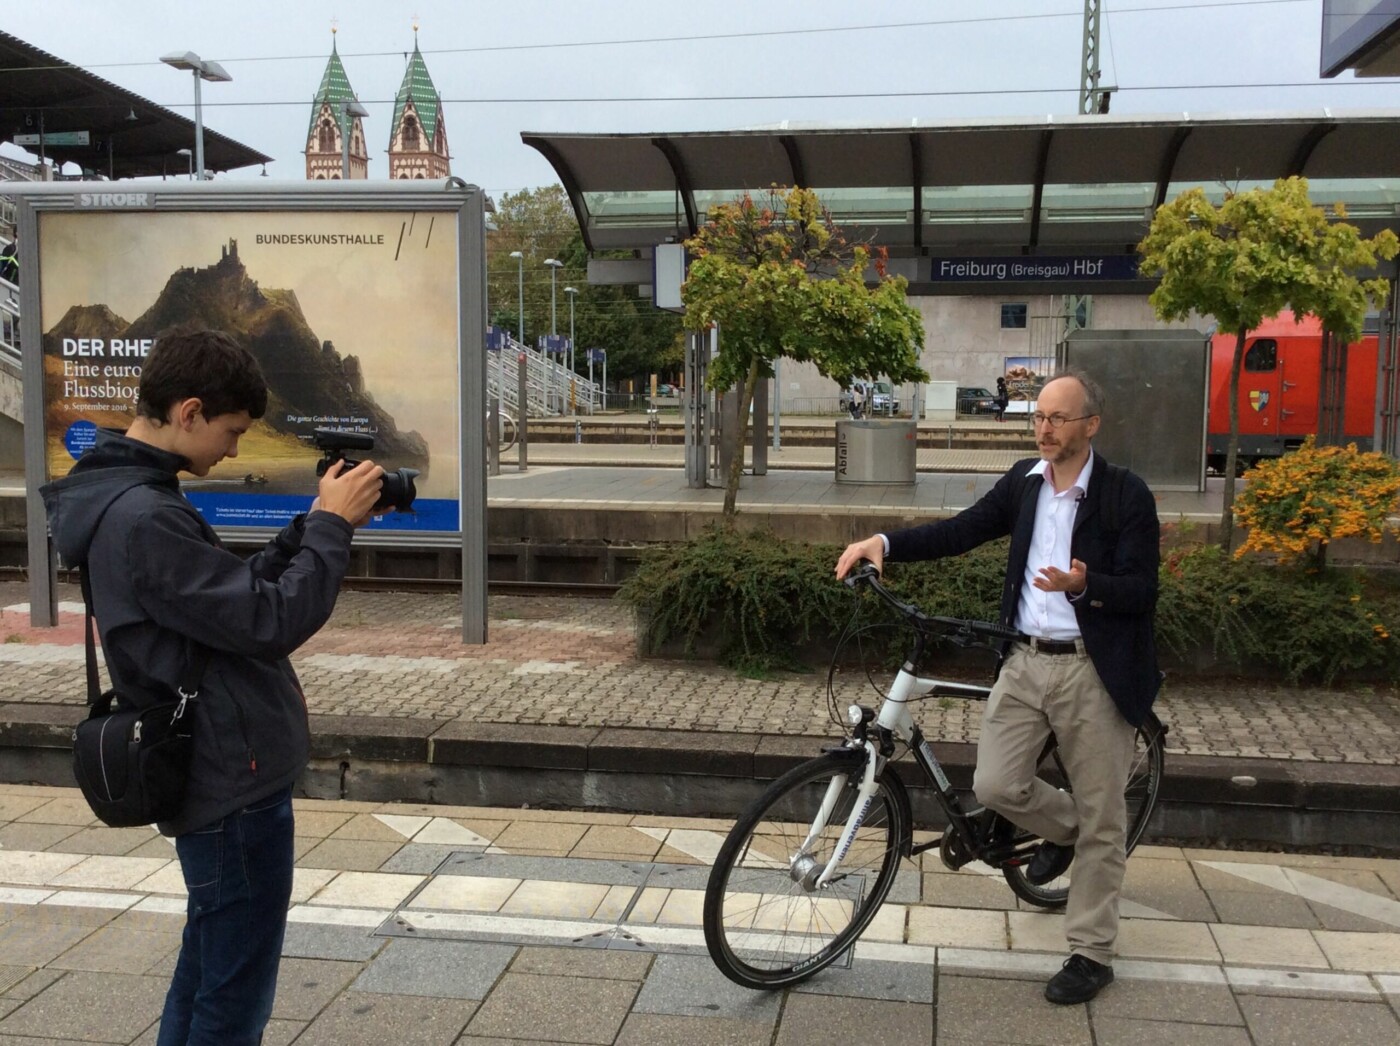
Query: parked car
[878, 397]
[974, 399]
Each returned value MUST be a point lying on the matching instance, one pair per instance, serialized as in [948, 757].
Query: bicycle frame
[896, 721]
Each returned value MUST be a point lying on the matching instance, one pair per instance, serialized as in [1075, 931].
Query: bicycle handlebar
[866, 572]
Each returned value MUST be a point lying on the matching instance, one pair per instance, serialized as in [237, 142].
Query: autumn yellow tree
[1258, 253]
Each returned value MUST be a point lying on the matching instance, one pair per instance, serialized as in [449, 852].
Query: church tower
[418, 136]
[324, 157]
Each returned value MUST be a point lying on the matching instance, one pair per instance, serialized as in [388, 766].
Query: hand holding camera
[350, 493]
[355, 489]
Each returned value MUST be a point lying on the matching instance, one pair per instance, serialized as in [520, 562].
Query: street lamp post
[348, 108]
[519, 257]
[572, 292]
[554, 266]
[202, 70]
[189, 158]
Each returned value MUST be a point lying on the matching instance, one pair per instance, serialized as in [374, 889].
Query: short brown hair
[207, 364]
[1093, 394]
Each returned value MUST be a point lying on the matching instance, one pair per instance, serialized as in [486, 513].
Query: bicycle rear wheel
[766, 923]
[1144, 782]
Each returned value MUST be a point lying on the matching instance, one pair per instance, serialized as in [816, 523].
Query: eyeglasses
[1056, 421]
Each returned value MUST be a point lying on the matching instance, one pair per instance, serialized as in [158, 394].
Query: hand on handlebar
[872, 549]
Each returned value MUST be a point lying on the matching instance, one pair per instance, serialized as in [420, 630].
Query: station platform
[620, 494]
[509, 843]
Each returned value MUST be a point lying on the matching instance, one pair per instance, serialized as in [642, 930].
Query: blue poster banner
[277, 510]
[1086, 268]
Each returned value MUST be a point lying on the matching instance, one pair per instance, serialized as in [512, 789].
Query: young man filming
[163, 585]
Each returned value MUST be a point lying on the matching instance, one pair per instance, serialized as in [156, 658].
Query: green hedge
[757, 602]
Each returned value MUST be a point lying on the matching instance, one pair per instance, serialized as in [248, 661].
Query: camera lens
[398, 490]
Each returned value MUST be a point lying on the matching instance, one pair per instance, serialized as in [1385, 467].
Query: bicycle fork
[894, 721]
[803, 867]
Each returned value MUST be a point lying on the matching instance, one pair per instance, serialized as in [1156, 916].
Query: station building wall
[965, 342]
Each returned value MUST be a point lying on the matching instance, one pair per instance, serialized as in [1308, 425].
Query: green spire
[335, 88]
[418, 87]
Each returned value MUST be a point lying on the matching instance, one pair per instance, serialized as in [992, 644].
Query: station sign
[53, 138]
[1083, 268]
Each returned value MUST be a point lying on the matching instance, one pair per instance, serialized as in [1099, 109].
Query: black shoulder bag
[132, 763]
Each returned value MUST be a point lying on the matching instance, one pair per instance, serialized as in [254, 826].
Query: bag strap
[94, 688]
[196, 657]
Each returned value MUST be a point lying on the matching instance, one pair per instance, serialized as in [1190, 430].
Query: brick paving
[441, 924]
[574, 662]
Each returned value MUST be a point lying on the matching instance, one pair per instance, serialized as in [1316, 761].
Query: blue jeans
[239, 876]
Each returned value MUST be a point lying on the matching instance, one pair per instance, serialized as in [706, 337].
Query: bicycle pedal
[952, 851]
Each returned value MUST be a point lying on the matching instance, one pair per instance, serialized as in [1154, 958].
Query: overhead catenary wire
[814, 96]
[712, 37]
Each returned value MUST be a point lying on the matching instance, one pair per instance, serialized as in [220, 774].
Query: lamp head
[182, 60]
[215, 73]
[554, 263]
[211, 71]
[517, 254]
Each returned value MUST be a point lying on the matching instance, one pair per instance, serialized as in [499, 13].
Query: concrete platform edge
[684, 773]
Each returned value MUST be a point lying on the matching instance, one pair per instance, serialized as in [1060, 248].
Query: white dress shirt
[1049, 615]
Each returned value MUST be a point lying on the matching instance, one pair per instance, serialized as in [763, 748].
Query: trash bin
[876, 450]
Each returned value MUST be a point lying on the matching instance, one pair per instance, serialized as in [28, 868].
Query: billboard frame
[452, 196]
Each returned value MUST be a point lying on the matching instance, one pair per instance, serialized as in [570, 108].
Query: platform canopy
[1057, 184]
[128, 135]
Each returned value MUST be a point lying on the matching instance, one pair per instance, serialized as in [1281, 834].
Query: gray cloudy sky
[501, 70]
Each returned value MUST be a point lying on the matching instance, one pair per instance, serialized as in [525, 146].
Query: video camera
[398, 490]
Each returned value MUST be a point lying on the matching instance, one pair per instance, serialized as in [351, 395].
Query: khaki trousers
[1035, 694]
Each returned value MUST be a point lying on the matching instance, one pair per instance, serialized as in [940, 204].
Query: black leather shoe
[1051, 861]
[1079, 980]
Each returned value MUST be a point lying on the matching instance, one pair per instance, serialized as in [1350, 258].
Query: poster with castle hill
[353, 317]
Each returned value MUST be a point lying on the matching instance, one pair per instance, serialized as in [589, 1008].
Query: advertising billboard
[352, 316]
[364, 304]
[1024, 376]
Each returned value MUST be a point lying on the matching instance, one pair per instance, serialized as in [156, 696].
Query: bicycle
[808, 864]
[510, 430]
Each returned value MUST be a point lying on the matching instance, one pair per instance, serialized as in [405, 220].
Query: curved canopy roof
[1054, 184]
[128, 135]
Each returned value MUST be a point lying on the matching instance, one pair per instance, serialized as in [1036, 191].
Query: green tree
[780, 280]
[540, 224]
[1258, 253]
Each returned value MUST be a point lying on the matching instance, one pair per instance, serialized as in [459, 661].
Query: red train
[1280, 390]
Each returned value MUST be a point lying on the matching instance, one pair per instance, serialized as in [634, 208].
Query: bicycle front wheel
[767, 923]
[1144, 782]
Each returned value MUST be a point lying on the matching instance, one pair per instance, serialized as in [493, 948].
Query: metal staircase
[550, 386]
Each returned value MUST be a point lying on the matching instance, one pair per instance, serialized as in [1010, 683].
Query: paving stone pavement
[436, 924]
[573, 661]
[473, 925]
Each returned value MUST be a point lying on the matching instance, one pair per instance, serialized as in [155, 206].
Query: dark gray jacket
[160, 579]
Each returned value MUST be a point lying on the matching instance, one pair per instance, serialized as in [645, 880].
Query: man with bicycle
[1081, 587]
